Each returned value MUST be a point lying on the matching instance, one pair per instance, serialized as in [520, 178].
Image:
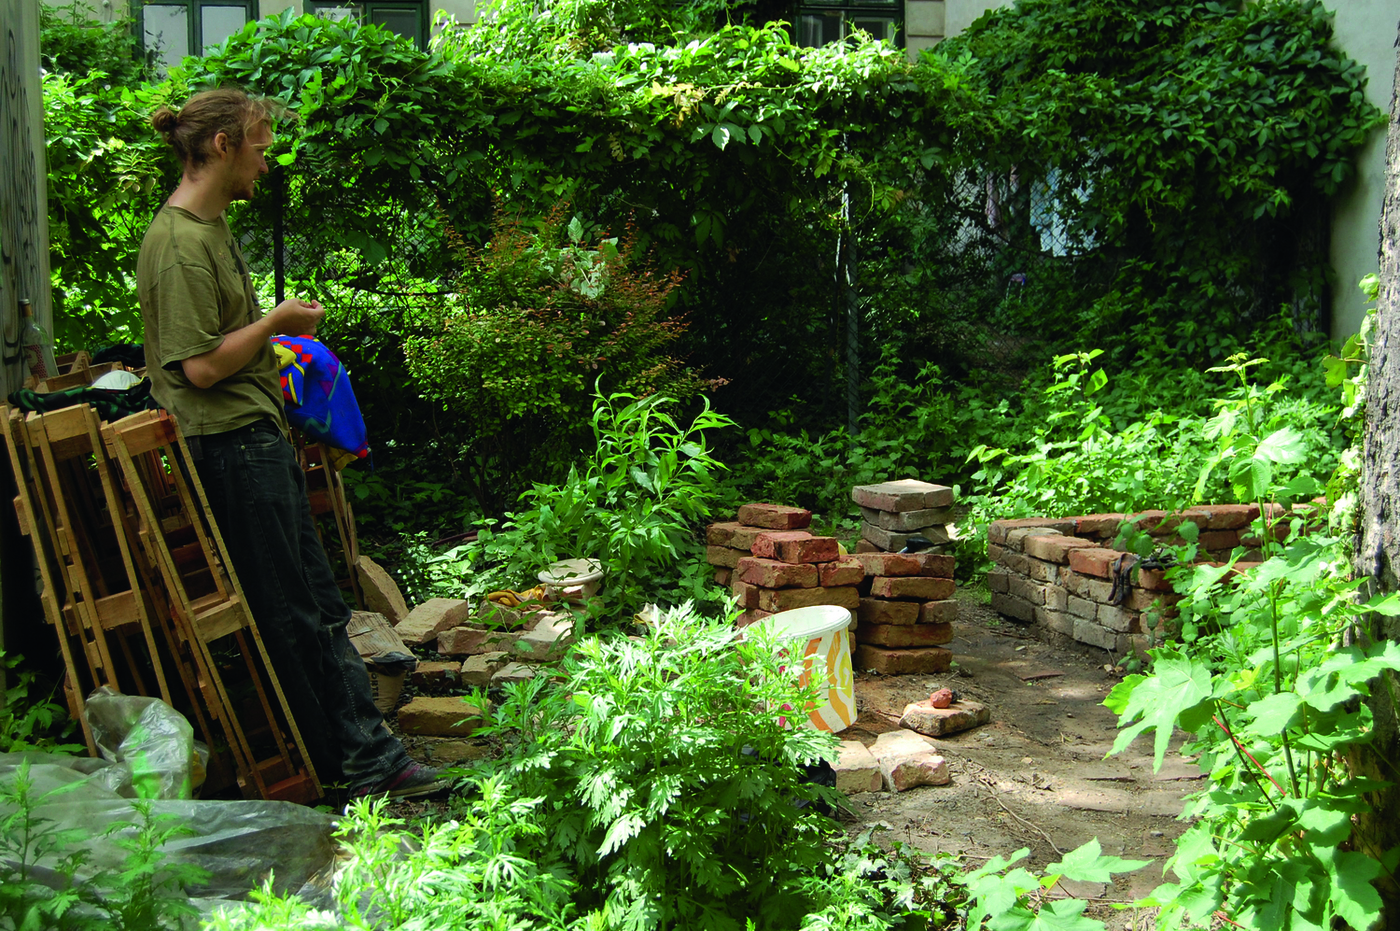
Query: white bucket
[568, 578]
[821, 632]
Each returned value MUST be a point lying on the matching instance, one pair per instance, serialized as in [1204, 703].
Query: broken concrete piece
[434, 672]
[439, 717]
[923, 717]
[899, 743]
[918, 769]
[381, 594]
[431, 618]
[856, 769]
[547, 641]
[478, 670]
[513, 672]
[466, 641]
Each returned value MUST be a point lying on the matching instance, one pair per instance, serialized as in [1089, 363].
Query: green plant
[1267, 679]
[27, 723]
[1011, 898]
[44, 877]
[670, 785]
[469, 872]
[633, 506]
[870, 888]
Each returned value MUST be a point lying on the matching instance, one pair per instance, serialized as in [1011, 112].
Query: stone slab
[856, 769]
[960, 716]
[432, 617]
[435, 716]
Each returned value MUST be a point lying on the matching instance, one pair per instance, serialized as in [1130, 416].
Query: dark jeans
[257, 493]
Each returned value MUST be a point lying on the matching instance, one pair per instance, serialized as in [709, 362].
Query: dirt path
[1036, 776]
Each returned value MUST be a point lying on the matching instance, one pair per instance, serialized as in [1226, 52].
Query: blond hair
[228, 110]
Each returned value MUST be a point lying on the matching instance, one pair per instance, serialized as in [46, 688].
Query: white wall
[1365, 30]
[959, 14]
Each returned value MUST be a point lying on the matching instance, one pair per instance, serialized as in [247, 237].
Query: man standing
[212, 366]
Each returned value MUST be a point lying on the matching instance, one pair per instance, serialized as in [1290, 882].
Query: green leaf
[1178, 691]
[1087, 863]
[1352, 895]
[1282, 447]
[1274, 714]
[720, 137]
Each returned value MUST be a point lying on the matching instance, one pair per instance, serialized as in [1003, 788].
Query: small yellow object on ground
[512, 599]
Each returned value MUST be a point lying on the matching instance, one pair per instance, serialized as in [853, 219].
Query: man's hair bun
[165, 120]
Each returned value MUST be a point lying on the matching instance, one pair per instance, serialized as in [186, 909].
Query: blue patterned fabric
[317, 394]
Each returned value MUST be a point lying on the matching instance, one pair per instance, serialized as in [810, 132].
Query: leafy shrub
[673, 797]
[541, 318]
[633, 506]
[27, 722]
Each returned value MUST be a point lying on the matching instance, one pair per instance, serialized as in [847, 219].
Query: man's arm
[292, 317]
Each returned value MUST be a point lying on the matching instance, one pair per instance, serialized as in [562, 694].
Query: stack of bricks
[785, 566]
[892, 512]
[1065, 576]
[906, 613]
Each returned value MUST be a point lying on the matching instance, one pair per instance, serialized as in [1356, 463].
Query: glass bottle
[35, 344]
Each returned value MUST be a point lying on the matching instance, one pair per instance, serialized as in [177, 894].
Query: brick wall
[1064, 576]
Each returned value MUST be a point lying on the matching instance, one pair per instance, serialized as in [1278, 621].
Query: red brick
[844, 570]
[770, 573]
[1153, 580]
[1141, 599]
[1013, 607]
[1055, 548]
[745, 594]
[906, 494]
[864, 547]
[1097, 561]
[880, 611]
[893, 661]
[721, 533]
[440, 717]
[774, 516]
[812, 550]
[934, 565]
[1098, 525]
[723, 556]
[938, 612]
[921, 588]
[890, 563]
[997, 531]
[905, 635]
[1229, 516]
[1148, 521]
[765, 545]
[785, 599]
[434, 673]
[1216, 540]
[723, 576]
[751, 616]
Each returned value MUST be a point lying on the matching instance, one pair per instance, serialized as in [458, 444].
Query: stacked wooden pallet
[138, 585]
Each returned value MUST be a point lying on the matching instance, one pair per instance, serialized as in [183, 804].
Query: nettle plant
[1268, 681]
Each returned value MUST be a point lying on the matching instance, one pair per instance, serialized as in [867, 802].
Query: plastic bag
[153, 740]
[240, 843]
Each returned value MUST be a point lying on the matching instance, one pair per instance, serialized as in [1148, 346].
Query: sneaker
[413, 781]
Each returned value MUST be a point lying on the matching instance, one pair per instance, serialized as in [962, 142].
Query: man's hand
[295, 317]
[292, 317]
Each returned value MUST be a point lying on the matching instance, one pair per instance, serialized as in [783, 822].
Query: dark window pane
[405, 22]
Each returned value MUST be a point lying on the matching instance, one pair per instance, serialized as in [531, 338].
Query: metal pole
[846, 273]
[279, 210]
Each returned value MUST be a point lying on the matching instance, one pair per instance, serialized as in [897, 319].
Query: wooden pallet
[33, 523]
[180, 539]
[325, 490]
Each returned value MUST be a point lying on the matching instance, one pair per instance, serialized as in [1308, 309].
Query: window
[823, 21]
[176, 28]
[409, 18]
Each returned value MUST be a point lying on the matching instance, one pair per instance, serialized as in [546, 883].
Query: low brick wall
[1059, 574]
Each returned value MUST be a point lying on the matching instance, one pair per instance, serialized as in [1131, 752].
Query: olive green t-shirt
[194, 289]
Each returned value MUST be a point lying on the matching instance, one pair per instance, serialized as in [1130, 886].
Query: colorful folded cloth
[318, 398]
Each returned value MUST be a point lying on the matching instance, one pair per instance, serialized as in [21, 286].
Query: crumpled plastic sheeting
[152, 739]
[238, 842]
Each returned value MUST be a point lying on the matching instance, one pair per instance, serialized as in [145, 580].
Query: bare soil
[1037, 776]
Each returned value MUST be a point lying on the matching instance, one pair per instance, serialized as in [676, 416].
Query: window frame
[194, 10]
[849, 10]
[368, 7]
